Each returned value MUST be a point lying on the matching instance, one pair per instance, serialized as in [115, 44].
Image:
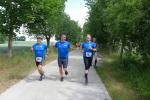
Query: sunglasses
[39, 38]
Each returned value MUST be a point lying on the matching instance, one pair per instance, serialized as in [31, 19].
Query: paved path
[51, 88]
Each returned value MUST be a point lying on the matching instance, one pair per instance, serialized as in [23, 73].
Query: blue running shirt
[63, 49]
[86, 51]
[39, 50]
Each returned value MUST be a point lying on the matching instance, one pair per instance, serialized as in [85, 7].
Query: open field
[19, 43]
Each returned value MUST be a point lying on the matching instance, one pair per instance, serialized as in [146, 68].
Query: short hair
[62, 35]
[88, 34]
[39, 37]
[94, 38]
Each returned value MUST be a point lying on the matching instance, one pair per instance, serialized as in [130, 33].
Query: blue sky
[77, 10]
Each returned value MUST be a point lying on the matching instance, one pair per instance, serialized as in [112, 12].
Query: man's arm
[93, 48]
[55, 45]
[46, 48]
[32, 49]
[69, 46]
[81, 48]
[47, 51]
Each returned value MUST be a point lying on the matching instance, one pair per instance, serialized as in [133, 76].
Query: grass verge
[20, 65]
[120, 83]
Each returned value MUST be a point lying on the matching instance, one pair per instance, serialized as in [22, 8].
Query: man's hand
[81, 50]
[71, 48]
[94, 50]
[32, 49]
[90, 48]
[47, 55]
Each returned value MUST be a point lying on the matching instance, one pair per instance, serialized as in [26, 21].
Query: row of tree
[71, 28]
[45, 17]
[121, 23]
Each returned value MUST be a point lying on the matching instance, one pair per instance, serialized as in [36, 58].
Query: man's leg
[65, 64]
[87, 66]
[41, 72]
[39, 67]
[60, 69]
[95, 65]
[61, 73]
[93, 61]
[86, 76]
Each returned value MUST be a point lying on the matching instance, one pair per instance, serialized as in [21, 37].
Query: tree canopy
[38, 16]
[70, 28]
[125, 23]
[123, 26]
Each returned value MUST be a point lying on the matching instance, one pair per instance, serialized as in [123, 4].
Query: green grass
[123, 84]
[20, 43]
[20, 65]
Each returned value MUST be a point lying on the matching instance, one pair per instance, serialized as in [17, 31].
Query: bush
[2, 38]
[136, 75]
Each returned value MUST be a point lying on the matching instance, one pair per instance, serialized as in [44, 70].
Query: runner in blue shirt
[88, 49]
[63, 52]
[95, 54]
[40, 50]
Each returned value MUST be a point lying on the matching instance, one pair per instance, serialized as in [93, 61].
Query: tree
[96, 22]
[2, 38]
[70, 28]
[47, 16]
[14, 13]
[123, 23]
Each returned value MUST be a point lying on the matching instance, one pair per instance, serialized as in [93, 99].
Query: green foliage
[131, 76]
[96, 25]
[13, 14]
[20, 65]
[46, 14]
[2, 38]
[109, 71]
[124, 24]
[38, 16]
[135, 75]
[70, 28]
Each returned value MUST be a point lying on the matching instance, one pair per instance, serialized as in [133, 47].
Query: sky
[77, 11]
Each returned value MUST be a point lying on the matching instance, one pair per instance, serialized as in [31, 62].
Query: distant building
[33, 37]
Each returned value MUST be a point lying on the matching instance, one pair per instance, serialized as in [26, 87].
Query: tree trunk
[48, 42]
[110, 50]
[10, 34]
[121, 52]
[48, 37]
[10, 41]
[122, 48]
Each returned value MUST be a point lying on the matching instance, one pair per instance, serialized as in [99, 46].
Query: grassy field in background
[115, 80]
[20, 65]
[19, 43]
